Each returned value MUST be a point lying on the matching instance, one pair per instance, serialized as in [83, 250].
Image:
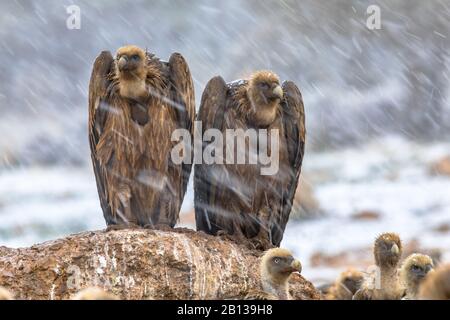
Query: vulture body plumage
[235, 199]
[136, 101]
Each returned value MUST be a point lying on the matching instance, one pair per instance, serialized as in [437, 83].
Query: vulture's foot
[225, 235]
[163, 227]
[238, 238]
[115, 227]
[160, 227]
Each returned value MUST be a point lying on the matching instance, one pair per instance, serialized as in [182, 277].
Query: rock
[137, 264]
[442, 228]
[441, 167]
[366, 215]
[305, 202]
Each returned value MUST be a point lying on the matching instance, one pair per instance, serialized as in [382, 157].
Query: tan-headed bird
[412, 273]
[276, 267]
[233, 194]
[5, 294]
[94, 293]
[136, 102]
[384, 283]
[346, 285]
[436, 285]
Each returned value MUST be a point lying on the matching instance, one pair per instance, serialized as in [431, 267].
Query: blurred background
[377, 111]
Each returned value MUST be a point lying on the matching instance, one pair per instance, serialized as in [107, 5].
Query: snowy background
[377, 107]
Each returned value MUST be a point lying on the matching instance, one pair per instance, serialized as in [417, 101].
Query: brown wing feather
[182, 91]
[211, 114]
[97, 115]
[294, 130]
[183, 100]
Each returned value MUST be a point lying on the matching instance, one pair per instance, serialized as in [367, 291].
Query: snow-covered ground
[388, 176]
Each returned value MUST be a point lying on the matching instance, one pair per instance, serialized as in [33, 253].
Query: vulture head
[351, 280]
[277, 265]
[415, 268]
[131, 71]
[131, 62]
[265, 93]
[5, 294]
[387, 250]
[94, 293]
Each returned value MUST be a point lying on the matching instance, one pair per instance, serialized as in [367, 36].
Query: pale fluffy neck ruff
[412, 289]
[278, 286]
[262, 113]
[133, 88]
[389, 280]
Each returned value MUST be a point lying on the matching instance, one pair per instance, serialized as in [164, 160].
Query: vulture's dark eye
[135, 57]
[264, 86]
[276, 260]
[416, 268]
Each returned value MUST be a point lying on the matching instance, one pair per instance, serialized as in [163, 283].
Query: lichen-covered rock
[137, 264]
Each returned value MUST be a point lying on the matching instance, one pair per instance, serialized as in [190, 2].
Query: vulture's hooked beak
[296, 266]
[122, 62]
[422, 273]
[278, 92]
[395, 250]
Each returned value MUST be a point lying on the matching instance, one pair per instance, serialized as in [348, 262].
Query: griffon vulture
[276, 267]
[236, 199]
[136, 101]
[384, 282]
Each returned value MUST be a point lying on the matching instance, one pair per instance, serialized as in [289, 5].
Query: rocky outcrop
[137, 264]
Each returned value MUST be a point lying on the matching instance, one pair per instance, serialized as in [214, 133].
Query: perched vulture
[136, 101]
[384, 282]
[236, 199]
[414, 270]
[345, 286]
[94, 293]
[276, 267]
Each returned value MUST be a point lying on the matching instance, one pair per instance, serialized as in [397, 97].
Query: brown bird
[412, 273]
[94, 293]
[436, 285]
[136, 101]
[276, 267]
[346, 285]
[236, 199]
[384, 284]
[5, 294]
